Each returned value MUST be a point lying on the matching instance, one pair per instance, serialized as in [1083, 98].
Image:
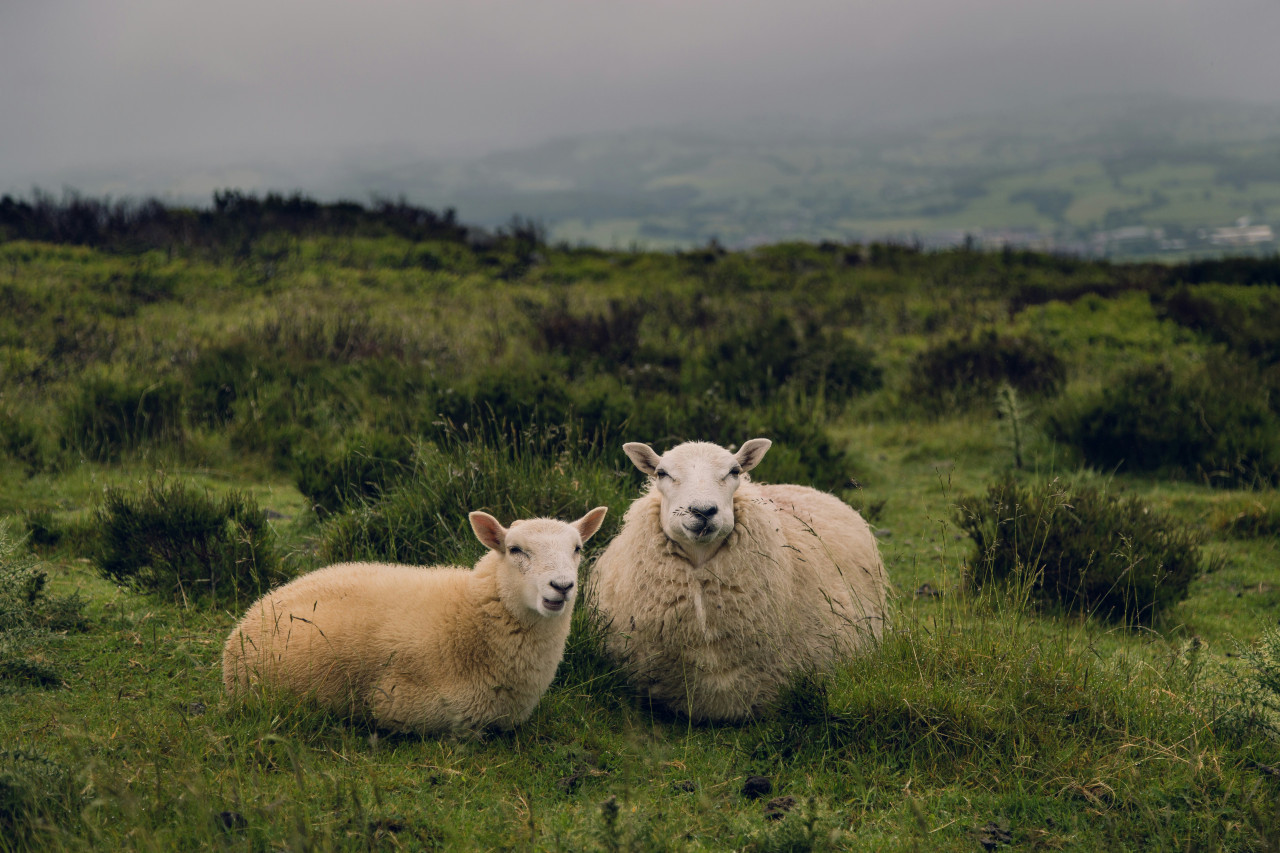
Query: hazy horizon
[145, 88]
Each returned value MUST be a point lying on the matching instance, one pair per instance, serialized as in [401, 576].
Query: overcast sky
[87, 84]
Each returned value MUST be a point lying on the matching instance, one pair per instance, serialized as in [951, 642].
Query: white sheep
[718, 591]
[428, 650]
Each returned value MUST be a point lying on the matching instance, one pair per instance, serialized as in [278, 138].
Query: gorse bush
[1078, 549]
[963, 372]
[28, 615]
[186, 545]
[1213, 422]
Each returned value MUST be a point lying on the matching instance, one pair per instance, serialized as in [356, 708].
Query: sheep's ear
[751, 452]
[490, 533]
[590, 523]
[642, 456]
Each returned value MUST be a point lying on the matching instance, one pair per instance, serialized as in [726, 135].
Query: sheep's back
[334, 632]
[840, 579]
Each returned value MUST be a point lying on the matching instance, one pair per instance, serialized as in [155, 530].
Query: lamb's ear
[642, 456]
[490, 533]
[590, 523]
[751, 452]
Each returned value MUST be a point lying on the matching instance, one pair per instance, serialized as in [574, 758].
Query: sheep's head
[696, 481]
[540, 556]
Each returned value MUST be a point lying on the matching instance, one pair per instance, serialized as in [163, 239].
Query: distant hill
[1100, 176]
[1116, 177]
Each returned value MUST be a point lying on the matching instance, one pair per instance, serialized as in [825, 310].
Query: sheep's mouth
[553, 605]
[703, 532]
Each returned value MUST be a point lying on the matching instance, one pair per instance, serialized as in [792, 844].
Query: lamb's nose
[704, 512]
[562, 587]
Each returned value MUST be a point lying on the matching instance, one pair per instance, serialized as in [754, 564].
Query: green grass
[977, 720]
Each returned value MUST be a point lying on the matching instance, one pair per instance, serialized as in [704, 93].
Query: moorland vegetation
[1071, 466]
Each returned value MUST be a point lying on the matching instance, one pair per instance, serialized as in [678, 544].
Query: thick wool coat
[798, 584]
[427, 650]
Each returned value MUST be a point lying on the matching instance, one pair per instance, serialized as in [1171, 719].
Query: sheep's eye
[514, 549]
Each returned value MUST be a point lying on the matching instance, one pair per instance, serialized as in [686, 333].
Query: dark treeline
[237, 219]
[234, 221]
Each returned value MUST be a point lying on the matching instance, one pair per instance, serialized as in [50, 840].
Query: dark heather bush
[422, 518]
[967, 371]
[610, 338]
[216, 378]
[1079, 549]
[106, 417]
[1251, 331]
[755, 362]
[187, 545]
[1213, 423]
[361, 467]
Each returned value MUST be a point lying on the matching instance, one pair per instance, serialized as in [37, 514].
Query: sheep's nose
[704, 512]
[562, 587]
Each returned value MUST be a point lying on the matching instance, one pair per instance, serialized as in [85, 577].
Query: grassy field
[364, 390]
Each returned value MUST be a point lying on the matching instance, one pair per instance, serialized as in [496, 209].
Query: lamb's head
[538, 569]
[696, 481]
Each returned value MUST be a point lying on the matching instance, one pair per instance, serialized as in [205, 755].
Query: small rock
[385, 825]
[570, 783]
[778, 807]
[926, 590]
[993, 835]
[756, 787]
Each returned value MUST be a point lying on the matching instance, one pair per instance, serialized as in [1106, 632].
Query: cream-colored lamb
[427, 650]
[718, 590]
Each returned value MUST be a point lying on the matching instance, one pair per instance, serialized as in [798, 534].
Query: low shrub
[751, 365]
[182, 543]
[106, 417]
[1245, 322]
[1213, 422]
[216, 378]
[1079, 549]
[28, 615]
[964, 372]
[520, 473]
[361, 467]
[610, 337]
[22, 441]
[1257, 686]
